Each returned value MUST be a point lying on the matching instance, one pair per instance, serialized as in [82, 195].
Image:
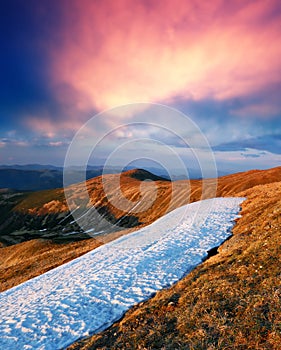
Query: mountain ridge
[24, 209]
[45, 214]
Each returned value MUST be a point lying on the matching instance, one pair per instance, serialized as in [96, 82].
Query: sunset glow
[129, 52]
[218, 62]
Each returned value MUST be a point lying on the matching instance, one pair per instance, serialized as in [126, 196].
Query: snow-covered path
[89, 293]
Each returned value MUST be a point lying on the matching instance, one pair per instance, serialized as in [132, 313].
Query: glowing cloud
[116, 52]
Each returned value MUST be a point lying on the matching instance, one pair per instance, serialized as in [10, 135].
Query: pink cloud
[116, 52]
[262, 110]
[57, 144]
[49, 128]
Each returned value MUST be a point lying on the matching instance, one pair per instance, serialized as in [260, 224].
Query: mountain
[36, 177]
[124, 203]
[231, 300]
[31, 167]
[143, 175]
[30, 180]
[25, 179]
[45, 214]
[28, 217]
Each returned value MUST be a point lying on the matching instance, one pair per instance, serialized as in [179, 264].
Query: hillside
[54, 246]
[45, 214]
[231, 301]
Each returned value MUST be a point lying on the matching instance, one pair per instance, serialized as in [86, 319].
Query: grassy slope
[23, 261]
[231, 301]
[170, 195]
[29, 259]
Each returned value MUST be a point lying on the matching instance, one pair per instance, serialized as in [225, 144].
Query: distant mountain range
[36, 177]
[31, 167]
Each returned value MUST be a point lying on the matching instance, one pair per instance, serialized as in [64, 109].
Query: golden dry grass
[231, 301]
[29, 259]
[168, 195]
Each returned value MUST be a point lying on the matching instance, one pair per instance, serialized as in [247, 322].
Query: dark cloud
[228, 131]
[270, 143]
[251, 155]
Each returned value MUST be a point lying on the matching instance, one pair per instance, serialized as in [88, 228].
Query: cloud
[14, 142]
[57, 144]
[263, 110]
[32, 151]
[233, 161]
[270, 143]
[51, 128]
[218, 62]
[114, 53]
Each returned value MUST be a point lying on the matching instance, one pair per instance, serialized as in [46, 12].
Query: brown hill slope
[168, 195]
[231, 301]
[21, 262]
[147, 200]
[29, 259]
[135, 189]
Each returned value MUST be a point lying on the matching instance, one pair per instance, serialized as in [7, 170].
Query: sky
[218, 62]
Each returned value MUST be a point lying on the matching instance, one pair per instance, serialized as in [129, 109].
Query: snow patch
[89, 293]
